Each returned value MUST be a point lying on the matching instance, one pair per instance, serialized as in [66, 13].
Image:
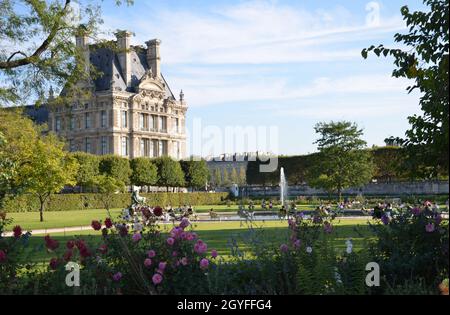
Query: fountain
[283, 189]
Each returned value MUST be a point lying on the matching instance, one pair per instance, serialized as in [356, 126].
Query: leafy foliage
[116, 167]
[341, 162]
[426, 61]
[144, 172]
[170, 173]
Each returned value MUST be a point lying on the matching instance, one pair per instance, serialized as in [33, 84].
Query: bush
[89, 168]
[170, 173]
[144, 172]
[68, 202]
[412, 244]
[116, 167]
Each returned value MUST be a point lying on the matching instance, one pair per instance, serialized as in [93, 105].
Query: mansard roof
[106, 61]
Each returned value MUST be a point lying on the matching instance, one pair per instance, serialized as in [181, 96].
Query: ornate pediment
[150, 84]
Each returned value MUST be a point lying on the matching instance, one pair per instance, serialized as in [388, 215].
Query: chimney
[81, 41]
[123, 42]
[153, 57]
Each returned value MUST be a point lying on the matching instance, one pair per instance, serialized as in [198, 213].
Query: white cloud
[256, 32]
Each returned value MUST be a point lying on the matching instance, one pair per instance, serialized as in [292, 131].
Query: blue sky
[288, 64]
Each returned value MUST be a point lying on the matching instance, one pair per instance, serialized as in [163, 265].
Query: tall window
[87, 120]
[162, 148]
[124, 146]
[72, 123]
[72, 147]
[57, 123]
[177, 125]
[104, 145]
[162, 124]
[153, 122]
[124, 119]
[87, 145]
[144, 147]
[103, 119]
[152, 148]
[176, 149]
[143, 121]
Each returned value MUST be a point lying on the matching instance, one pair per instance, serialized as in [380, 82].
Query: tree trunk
[41, 209]
[340, 194]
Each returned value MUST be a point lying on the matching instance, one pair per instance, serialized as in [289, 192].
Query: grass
[74, 218]
[57, 219]
[218, 235]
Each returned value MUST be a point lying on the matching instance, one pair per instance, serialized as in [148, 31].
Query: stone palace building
[132, 111]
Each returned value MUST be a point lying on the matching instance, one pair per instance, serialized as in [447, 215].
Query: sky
[259, 74]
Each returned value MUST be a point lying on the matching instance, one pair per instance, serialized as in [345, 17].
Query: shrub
[170, 173]
[412, 244]
[88, 170]
[144, 172]
[68, 202]
[116, 167]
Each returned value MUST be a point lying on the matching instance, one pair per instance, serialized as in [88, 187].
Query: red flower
[68, 255]
[158, 211]
[96, 225]
[80, 244]
[108, 223]
[54, 263]
[70, 244]
[2, 256]
[50, 243]
[84, 252]
[17, 231]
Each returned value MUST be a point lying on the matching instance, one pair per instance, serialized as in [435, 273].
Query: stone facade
[132, 111]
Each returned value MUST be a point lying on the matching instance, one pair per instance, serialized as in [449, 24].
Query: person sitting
[213, 214]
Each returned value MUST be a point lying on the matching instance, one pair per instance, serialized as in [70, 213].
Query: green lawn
[218, 235]
[56, 219]
[74, 218]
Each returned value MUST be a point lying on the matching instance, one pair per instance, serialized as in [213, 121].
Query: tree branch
[41, 49]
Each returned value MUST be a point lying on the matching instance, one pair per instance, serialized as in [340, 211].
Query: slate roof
[106, 61]
[38, 114]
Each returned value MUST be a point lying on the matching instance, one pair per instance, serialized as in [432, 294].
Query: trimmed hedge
[68, 202]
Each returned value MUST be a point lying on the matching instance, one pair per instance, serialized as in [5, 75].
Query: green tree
[116, 167]
[107, 187]
[18, 135]
[40, 48]
[196, 173]
[88, 170]
[217, 177]
[170, 173]
[225, 177]
[342, 161]
[144, 172]
[242, 181]
[425, 60]
[389, 163]
[49, 170]
[234, 176]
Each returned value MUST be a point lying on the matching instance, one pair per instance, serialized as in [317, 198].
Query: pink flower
[184, 261]
[190, 236]
[214, 253]
[137, 237]
[117, 276]
[429, 227]
[176, 232]
[297, 244]
[174, 253]
[147, 262]
[157, 278]
[415, 211]
[284, 248]
[200, 247]
[184, 223]
[151, 253]
[2, 256]
[327, 227]
[170, 241]
[204, 263]
[162, 266]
